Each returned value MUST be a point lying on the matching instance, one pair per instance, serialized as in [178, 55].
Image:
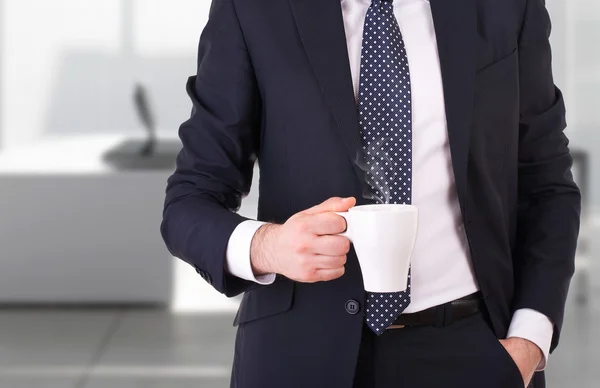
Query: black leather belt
[442, 315]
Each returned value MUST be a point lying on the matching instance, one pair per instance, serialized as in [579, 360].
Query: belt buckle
[396, 327]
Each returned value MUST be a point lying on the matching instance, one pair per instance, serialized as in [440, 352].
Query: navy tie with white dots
[384, 104]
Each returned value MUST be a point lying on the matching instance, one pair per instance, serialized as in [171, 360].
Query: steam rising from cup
[375, 163]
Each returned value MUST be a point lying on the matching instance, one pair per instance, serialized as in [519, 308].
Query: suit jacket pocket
[264, 301]
[497, 70]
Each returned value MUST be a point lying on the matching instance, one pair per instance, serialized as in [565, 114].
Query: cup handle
[346, 216]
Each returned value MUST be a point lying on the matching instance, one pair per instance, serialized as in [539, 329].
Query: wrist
[526, 348]
[533, 350]
[261, 256]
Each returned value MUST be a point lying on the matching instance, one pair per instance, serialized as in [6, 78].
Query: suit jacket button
[352, 307]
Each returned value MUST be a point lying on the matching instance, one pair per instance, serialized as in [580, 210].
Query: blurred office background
[89, 296]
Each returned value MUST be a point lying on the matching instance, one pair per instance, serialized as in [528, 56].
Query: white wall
[68, 66]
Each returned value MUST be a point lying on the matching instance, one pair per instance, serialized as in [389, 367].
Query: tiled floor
[154, 349]
[120, 349]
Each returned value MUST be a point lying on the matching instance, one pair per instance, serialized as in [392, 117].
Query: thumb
[334, 204]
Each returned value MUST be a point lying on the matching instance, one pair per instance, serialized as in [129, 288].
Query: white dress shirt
[442, 270]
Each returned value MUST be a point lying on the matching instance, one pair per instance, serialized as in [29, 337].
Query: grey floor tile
[20, 382]
[157, 383]
[47, 338]
[161, 339]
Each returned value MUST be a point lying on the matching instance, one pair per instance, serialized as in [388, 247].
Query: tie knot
[383, 4]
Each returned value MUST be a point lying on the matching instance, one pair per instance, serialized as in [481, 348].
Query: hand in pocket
[526, 355]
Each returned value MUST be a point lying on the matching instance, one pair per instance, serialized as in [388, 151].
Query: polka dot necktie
[384, 104]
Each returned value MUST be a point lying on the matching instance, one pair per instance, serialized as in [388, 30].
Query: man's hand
[526, 355]
[305, 248]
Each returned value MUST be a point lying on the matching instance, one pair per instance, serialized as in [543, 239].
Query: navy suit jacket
[274, 85]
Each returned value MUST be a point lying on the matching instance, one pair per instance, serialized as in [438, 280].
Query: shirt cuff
[535, 327]
[237, 260]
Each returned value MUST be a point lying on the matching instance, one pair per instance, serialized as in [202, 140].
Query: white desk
[74, 230]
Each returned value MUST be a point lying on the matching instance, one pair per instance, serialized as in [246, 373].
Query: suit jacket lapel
[456, 31]
[321, 27]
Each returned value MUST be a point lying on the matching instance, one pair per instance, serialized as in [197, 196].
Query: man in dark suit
[446, 104]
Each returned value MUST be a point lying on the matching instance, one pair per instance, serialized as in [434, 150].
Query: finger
[329, 262]
[326, 224]
[335, 204]
[331, 245]
[325, 275]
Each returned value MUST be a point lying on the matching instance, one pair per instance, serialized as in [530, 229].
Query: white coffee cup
[384, 237]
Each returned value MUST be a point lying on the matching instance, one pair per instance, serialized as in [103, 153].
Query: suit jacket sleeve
[214, 168]
[549, 200]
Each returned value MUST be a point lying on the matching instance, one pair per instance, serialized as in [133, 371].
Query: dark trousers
[464, 354]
